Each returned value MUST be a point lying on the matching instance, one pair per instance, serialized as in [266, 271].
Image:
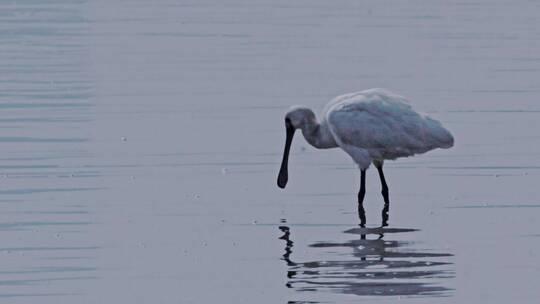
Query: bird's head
[299, 116]
[296, 117]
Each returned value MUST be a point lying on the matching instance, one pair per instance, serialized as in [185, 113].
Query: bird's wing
[383, 122]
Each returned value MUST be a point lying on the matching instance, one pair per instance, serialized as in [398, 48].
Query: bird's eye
[288, 121]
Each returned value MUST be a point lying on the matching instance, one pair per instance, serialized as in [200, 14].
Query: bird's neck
[318, 135]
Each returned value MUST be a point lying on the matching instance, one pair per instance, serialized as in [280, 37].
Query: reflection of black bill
[283, 176]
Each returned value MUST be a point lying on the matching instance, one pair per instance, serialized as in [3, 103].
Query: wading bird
[371, 126]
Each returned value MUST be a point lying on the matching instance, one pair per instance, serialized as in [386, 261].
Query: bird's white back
[382, 124]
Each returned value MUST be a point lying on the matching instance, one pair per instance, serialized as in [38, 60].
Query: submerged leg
[384, 192]
[361, 194]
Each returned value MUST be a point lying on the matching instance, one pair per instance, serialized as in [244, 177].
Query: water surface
[141, 142]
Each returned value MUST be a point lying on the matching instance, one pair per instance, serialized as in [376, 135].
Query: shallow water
[141, 142]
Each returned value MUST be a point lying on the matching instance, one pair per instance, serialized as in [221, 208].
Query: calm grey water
[141, 141]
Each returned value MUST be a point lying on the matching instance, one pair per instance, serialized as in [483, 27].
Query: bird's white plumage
[374, 125]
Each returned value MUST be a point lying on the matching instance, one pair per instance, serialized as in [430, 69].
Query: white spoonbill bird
[371, 126]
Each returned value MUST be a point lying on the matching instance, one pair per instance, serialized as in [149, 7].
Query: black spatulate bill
[283, 176]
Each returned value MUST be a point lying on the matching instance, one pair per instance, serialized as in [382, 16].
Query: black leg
[384, 192]
[361, 194]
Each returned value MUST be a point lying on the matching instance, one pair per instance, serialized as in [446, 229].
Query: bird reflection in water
[376, 266]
